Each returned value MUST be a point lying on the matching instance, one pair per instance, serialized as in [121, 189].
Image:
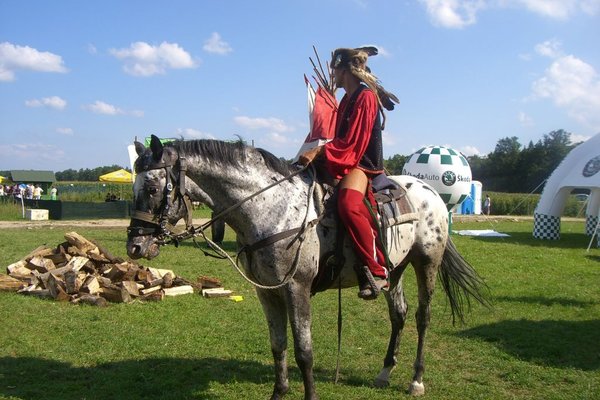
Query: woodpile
[82, 271]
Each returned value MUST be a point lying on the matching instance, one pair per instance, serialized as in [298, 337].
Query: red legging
[360, 225]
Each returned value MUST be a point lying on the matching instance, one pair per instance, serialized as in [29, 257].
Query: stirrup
[369, 288]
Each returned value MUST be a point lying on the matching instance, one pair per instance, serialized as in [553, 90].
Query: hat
[355, 60]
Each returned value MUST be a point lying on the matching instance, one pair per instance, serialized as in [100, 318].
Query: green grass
[540, 341]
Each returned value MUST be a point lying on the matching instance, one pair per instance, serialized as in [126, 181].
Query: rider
[355, 157]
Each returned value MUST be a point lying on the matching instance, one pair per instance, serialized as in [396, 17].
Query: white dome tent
[579, 170]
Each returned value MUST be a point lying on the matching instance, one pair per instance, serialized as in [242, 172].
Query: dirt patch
[99, 223]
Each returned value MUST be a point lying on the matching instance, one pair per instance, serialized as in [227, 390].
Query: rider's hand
[309, 155]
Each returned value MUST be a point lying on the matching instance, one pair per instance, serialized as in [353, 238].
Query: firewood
[208, 282]
[132, 271]
[159, 273]
[118, 295]
[40, 264]
[59, 258]
[91, 300]
[157, 295]
[105, 253]
[216, 292]
[150, 290]
[131, 287]
[178, 290]
[41, 293]
[168, 280]
[76, 263]
[90, 285]
[73, 282]
[20, 267]
[41, 251]
[56, 286]
[8, 283]
[81, 243]
[116, 272]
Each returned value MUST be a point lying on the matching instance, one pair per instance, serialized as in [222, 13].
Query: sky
[81, 80]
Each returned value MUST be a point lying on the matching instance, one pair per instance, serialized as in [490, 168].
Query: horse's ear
[139, 148]
[157, 147]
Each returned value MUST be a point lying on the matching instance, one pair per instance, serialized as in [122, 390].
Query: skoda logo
[591, 167]
[448, 178]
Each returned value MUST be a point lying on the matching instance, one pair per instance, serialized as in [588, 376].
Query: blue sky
[79, 80]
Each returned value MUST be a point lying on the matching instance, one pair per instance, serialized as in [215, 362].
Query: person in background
[37, 192]
[53, 193]
[487, 205]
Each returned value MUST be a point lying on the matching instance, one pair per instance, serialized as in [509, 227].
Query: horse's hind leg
[397, 308]
[426, 273]
[276, 312]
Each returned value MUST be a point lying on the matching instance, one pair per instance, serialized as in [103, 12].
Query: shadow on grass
[163, 378]
[566, 241]
[558, 344]
[546, 301]
[31, 378]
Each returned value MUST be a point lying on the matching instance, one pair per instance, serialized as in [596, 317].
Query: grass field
[540, 341]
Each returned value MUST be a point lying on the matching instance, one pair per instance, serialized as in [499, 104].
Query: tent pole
[595, 232]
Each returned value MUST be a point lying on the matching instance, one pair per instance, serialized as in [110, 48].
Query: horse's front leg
[397, 308]
[276, 312]
[300, 317]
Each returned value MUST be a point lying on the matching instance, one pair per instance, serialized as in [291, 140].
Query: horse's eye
[152, 190]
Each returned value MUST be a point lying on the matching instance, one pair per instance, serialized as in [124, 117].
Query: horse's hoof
[381, 383]
[383, 379]
[416, 389]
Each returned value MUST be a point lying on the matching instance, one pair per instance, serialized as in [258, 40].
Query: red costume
[346, 152]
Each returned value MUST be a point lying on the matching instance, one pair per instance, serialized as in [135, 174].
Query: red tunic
[344, 153]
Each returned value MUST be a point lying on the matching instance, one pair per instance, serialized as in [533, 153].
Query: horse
[274, 208]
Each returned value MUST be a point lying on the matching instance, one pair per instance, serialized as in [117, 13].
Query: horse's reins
[164, 229]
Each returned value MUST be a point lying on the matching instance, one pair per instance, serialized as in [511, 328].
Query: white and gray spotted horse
[284, 266]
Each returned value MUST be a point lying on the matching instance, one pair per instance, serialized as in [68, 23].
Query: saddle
[393, 208]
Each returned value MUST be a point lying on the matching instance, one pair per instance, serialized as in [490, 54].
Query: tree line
[512, 167]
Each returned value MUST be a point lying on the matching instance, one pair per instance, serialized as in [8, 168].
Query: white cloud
[453, 13]
[215, 44]
[32, 153]
[271, 124]
[100, 107]
[14, 58]
[578, 138]
[524, 119]
[573, 85]
[51, 102]
[470, 151]
[65, 131]
[549, 48]
[461, 13]
[190, 133]
[142, 59]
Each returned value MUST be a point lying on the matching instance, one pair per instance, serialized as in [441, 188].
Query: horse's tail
[461, 282]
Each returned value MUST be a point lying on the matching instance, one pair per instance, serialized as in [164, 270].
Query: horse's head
[159, 198]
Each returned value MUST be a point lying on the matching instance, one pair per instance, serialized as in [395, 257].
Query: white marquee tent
[580, 169]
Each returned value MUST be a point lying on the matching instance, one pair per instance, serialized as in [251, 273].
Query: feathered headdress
[356, 61]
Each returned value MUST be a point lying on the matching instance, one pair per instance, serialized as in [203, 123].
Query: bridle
[160, 227]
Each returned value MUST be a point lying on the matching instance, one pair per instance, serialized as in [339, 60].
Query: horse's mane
[232, 153]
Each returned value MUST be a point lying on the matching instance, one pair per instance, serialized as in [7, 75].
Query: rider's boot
[368, 286]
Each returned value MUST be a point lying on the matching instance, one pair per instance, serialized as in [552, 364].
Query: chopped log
[41, 293]
[105, 253]
[59, 258]
[40, 264]
[131, 287]
[157, 295]
[77, 263]
[8, 283]
[116, 295]
[56, 286]
[116, 272]
[20, 267]
[73, 282]
[150, 290]
[41, 251]
[208, 282]
[216, 292]
[99, 258]
[81, 243]
[168, 280]
[179, 281]
[132, 271]
[90, 285]
[159, 273]
[91, 300]
[178, 290]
